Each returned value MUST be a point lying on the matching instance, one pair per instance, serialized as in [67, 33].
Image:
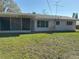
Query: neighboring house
[77, 25]
[24, 23]
[75, 15]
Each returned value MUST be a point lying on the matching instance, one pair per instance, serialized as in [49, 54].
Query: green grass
[60, 45]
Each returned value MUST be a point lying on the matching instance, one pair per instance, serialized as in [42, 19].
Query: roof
[55, 17]
[37, 16]
[15, 15]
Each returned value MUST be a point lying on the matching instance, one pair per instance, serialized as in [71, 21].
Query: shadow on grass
[17, 34]
[9, 35]
[52, 32]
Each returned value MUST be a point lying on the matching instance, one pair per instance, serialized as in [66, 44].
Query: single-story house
[77, 25]
[24, 23]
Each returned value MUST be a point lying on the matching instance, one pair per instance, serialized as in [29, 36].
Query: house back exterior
[27, 23]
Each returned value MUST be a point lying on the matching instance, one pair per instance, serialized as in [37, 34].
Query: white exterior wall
[64, 27]
[53, 27]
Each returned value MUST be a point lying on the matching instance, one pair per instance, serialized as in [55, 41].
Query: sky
[64, 8]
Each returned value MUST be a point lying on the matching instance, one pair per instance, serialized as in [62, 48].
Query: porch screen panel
[15, 23]
[25, 23]
[4, 23]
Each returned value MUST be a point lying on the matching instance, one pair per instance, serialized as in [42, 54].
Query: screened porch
[15, 24]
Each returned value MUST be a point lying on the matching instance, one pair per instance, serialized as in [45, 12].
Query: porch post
[10, 23]
[30, 24]
[21, 23]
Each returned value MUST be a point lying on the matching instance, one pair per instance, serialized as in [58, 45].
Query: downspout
[31, 24]
[54, 24]
[21, 23]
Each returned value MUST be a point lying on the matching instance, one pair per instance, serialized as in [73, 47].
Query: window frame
[69, 23]
[58, 22]
[42, 23]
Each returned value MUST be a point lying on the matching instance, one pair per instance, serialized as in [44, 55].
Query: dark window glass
[41, 23]
[57, 22]
[69, 22]
[46, 23]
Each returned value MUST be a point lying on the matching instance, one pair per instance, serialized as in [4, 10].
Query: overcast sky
[65, 8]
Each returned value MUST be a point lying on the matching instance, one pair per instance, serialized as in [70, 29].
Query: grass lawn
[62, 45]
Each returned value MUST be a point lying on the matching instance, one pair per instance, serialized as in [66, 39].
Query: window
[57, 22]
[69, 22]
[41, 23]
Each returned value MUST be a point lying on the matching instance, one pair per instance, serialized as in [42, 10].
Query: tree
[33, 12]
[9, 6]
[1, 6]
[75, 15]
